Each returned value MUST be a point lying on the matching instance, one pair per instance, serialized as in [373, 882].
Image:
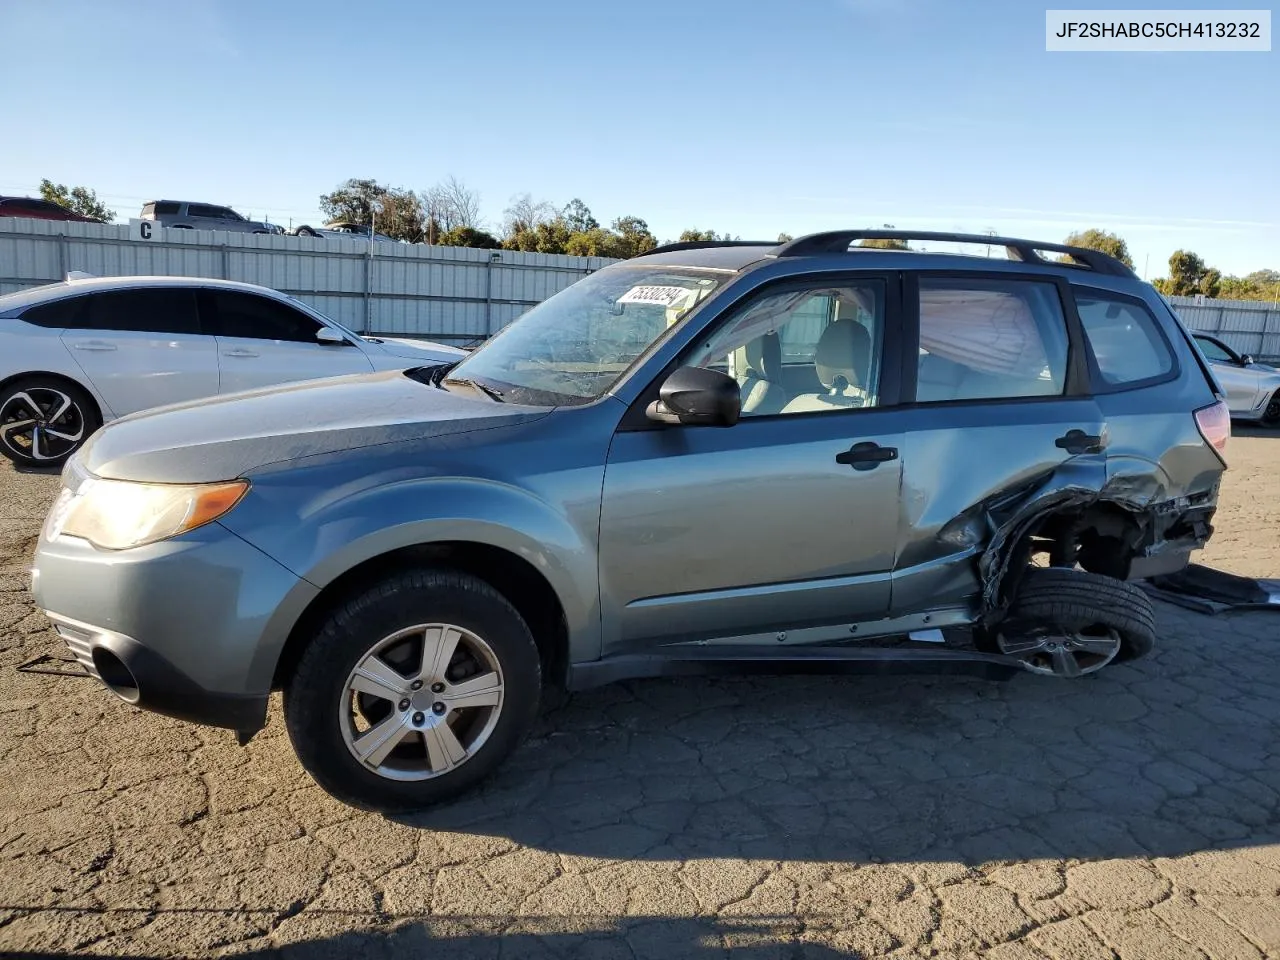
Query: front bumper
[140, 676]
[190, 627]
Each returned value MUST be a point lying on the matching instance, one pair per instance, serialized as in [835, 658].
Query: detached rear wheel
[43, 420]
[1070, 623]
[414, 690]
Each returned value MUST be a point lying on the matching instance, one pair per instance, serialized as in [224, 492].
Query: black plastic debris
[1206, 590]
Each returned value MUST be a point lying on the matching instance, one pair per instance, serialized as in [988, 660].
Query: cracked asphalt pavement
[1132, 815]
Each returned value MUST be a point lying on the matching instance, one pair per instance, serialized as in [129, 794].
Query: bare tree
[525, 213]
[452, 204]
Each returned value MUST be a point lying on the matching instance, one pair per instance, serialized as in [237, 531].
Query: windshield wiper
[488, 391]
[432, 375]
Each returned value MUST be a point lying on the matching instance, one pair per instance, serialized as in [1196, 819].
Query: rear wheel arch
[518, 580]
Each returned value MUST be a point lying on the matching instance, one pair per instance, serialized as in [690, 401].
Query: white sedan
[76, 354]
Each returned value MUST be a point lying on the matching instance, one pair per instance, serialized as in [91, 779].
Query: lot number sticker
[658, 296]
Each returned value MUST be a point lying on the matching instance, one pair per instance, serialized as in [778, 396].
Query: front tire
[414, 690]
[44, 420]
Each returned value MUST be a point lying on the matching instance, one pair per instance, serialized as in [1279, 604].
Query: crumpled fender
[1078, 482]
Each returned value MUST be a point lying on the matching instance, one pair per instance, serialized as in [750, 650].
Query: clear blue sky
[752, 118]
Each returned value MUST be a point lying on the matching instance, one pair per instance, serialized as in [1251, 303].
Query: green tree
[546, 237]
[785, 238]
[597, 243]
[1094, 239]
[1259, 285]
[1186, 273]
[695, 235]
[468, 237]
[79, 200]
[577, 215]
[889, 244]
[1210, 283]
[635, 236]
[391, 211]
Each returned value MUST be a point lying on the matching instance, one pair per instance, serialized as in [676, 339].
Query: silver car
[1252, 389]
[719, 456]
[182, 215]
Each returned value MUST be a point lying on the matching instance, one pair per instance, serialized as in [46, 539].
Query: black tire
[305, 232]
[1271, 416]
[36, 447]
[314, 694]
[1075, 599]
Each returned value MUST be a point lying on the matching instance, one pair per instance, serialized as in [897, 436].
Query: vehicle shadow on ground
[632, 938]
[1250, 429]
[1164, 757]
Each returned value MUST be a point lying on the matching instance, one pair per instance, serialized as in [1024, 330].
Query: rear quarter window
[1125, 339]
[58, 314]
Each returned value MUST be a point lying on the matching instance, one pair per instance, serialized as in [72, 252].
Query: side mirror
[330, 337]
[698, 397]
[1246, 360]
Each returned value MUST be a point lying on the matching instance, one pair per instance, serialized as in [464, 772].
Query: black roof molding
[703, 244]
[1027, 251]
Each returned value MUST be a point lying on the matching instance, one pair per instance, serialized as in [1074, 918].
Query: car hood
[417, 349]
[225, 437]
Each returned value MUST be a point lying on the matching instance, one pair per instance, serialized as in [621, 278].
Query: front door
[263, 342]
[787, 520]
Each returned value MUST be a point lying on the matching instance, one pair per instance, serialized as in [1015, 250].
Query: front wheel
[43, 420]
[414, 690]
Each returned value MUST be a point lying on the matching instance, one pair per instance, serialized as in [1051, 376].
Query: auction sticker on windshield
[656, 295]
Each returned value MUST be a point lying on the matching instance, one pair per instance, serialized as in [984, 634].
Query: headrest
[760, 358]
[844, 351]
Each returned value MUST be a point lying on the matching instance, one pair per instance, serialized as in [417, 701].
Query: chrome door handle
[96, 346]
[239, 353]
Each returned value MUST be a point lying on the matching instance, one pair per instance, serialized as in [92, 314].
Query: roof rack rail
[700, 244]
[839, 241]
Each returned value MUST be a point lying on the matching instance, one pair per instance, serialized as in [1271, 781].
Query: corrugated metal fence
[1247, 326]
[447, 293]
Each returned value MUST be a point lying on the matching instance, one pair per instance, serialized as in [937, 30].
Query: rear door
[262, 342]
[143, 347]
[1001, 399]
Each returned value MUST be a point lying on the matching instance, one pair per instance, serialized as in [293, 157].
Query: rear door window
[159, 310]
[1127, 344]
[990, 339]
[232, 314]
[215, 213]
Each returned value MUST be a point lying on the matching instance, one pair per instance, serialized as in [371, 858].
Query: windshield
[573, 347]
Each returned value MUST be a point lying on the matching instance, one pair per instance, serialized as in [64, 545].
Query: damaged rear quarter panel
[962, 462]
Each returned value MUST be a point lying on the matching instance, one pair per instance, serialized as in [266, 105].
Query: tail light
[1214, 422]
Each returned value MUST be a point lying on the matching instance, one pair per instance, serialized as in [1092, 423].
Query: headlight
[117, 514]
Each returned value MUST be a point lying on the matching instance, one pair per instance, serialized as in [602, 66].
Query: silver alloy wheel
[41, 423]
[421, 702]
[1056, 652]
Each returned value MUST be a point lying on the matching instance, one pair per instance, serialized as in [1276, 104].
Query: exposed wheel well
[60, 378]
[1101, 537]
[512, 576]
